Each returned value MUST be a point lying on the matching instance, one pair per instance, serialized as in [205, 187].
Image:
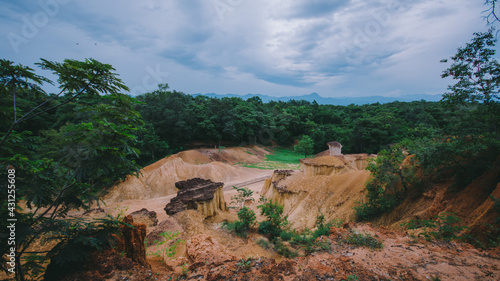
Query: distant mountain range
[335, 101]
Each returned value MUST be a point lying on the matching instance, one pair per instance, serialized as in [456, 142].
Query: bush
[446, 227]
[242, 226]
[283, 250]
[362, 240]
[275, 222]
[286, 235]
[389, 185]
[267, 228]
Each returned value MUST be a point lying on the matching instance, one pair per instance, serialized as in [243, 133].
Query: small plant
[184, 269]
[246, 220]
[283, 250]
[446, 227]
[354, 277]
[264, 243]
[244, 194]
[245, 265]
[275, 222]
[170, 251]
[121, 212]
[362, 240]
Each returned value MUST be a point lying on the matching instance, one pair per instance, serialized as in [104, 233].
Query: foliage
[478, 81]
[246, 220]
[68, 162]
[169, 251]
[244, 194]
[246, 216]
[182, 120]
[391, 180]
[307, 240]
[353, 277]
[446, 227]
[264, 243]
[362, 240]
[283, 250]
[305, 145]
[275, 222]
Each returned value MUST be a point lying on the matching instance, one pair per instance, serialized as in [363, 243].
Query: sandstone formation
[202, 195]
[327, 184]
[335, 148]
[146, 217]
[132, 241]
[324, 165]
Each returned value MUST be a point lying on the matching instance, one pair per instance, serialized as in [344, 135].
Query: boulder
[146, 217]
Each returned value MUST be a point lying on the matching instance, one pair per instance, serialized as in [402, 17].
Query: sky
[280, 48]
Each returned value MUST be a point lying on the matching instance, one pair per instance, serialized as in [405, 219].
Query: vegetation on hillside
[464, 153]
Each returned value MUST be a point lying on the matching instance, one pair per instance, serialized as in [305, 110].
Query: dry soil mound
[159, 178]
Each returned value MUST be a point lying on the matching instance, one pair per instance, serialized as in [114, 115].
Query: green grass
[282, 159]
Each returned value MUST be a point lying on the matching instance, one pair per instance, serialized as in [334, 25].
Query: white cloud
[334, 48]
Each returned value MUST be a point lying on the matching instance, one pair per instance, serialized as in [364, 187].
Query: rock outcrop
[329, 185]
[132, 241]
[146, 217]
[274, 180]
[324, 165]
[202, 195]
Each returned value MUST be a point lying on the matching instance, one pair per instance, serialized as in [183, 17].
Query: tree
[305, 145]
[478, 75]
[68, 167]
[492, 12]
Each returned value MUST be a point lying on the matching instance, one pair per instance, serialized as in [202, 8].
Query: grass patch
[282, 159]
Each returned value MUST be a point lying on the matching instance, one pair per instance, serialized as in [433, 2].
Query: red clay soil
[401, 258]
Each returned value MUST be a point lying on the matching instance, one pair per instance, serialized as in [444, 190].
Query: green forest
[68, 147]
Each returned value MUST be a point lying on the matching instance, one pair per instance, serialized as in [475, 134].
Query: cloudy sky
[335, 48]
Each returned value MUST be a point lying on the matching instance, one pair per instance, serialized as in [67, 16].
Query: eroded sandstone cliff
[329, 185]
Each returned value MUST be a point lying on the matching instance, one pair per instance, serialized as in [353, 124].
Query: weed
[243, 195]
[264, 243]
[354, 277]
[245, 265]
[121, 212]
[246, 219]
[362, 240]
[184, 269]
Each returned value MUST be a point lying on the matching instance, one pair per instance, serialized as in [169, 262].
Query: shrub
[446, 227]
[389, 185]
[246, 220]
[275, 222]
[362, 240]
